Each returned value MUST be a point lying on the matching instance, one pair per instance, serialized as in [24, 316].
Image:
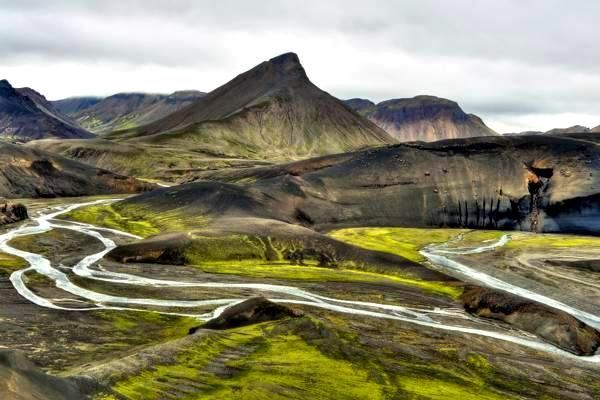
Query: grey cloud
[531, 35]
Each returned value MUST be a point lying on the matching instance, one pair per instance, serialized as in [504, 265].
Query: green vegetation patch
[269, 258]
[10, 263]
[252, 363]
[524, 240]
[404, 242]
[135, 325]
[422, 387]
[407, 242]
[107, 216]
[305, 359]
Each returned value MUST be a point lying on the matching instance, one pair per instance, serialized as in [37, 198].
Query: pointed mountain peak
[284, 67]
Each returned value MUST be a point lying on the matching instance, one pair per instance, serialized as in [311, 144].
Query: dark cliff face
[422, 118]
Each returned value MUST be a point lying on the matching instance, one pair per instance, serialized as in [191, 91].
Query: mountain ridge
[26, 115]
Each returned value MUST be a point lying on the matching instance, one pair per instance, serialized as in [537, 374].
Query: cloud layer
[521, 65]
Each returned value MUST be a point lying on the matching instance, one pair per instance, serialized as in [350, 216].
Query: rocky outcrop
[551, 325]
[422, 118]
[10, 213]
[252, 311]
[20, 379]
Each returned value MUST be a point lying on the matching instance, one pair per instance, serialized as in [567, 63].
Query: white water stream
[423, 317]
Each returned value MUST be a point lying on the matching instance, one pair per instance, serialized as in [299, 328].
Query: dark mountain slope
[46, 106]
[424, 118]
[479, 182]
[75, 105]
[272, 111]
[24, 117]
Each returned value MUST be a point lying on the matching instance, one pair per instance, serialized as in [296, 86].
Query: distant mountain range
[272, 112]
[123, 110]
[422, 118]
[560, 131]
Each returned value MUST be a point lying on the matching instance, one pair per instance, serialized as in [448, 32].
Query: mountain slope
[486, 182]
[46, 106]
[271, 111]
[26, 172]
[126, 110]
[74, 105]
[24, 116]
[425, 118]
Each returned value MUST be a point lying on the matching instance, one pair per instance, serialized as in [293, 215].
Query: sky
[518, 64]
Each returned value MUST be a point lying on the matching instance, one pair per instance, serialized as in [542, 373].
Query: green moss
[107, 216]
[407, 242]
[135, 324]
[480, 363]
[523, 240]
[422, 387]
[287, 271]
[267, 365]
[404, 242]
[265, 258]
[10, 264]
[306, 359]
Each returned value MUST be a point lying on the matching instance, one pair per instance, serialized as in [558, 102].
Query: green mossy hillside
[303, 359]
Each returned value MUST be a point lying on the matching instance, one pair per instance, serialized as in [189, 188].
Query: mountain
[596, 129]
[422, 118]
[272, 111]
[75, 105]
[124, 110]
[43, 104]
[26, 115]
[572, 129]
[26, 172]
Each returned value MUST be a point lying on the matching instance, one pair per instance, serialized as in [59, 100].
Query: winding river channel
[438, 255]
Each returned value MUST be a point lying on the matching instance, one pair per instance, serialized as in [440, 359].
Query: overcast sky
[519, 64]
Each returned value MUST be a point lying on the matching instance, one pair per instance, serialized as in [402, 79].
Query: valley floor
[364, 334]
